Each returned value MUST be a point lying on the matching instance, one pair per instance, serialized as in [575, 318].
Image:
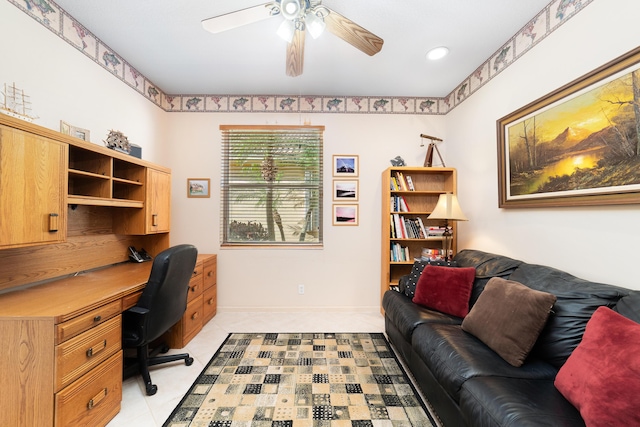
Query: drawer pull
[194, 288]
[210, 273]
[194, 272]
[154, 220]
[194, 316]
[97, 318]
[210, 301]
[97, 398]
[53, 222]
[91, 352]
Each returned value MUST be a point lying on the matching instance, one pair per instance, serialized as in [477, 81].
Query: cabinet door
[159, 201]
[33, 188]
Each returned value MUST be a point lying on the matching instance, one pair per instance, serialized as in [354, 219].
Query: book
[410, 183]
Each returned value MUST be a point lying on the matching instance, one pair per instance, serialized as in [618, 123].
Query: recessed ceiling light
[437, 53]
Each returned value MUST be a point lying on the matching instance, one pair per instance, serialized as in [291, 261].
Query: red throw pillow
[446, 289]
[601, 378]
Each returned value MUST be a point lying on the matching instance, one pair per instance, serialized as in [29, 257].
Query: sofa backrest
[577, 299]
[487, 265]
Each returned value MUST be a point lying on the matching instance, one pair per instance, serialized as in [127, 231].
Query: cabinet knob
[194, 316]
[97, 318]
[194, 288]
[154, 220]
[210, 301]
[97, 398]
[53, 222]
[91, 352]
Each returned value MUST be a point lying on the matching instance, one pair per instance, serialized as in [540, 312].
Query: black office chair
[161, 305]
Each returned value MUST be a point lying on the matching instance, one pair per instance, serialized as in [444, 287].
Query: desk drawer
[86, 321]
[82, 353]
[195, 284]
[192, 319]
[209, 303]
[93, 399]
[210, 273]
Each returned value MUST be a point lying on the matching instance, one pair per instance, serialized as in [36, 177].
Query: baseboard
[249, 309]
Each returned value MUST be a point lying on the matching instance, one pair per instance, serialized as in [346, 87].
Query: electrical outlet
[301, 289]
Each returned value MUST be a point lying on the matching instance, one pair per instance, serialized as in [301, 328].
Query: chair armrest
[133, 326]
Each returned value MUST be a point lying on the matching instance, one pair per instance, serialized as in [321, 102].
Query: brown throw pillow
[508, 317]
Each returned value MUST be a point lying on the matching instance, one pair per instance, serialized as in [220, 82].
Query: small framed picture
[345, 190]
[198, 187]
[345, 214]
[68, 129]
[345, 165]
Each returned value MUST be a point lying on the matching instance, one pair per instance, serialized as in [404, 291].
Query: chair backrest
[165, 295]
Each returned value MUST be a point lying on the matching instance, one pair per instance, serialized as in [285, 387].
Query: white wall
[66, 85]
[345, 273]
[595, 243]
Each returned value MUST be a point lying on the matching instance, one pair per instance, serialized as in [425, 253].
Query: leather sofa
[465, 381]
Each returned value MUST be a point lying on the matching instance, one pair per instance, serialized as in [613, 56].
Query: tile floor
[174, 380]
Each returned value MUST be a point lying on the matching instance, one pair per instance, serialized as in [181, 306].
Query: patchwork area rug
[302, 380]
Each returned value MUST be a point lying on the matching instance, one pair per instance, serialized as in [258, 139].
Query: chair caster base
[151, 389]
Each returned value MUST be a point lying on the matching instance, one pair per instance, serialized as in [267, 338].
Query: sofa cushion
[405, 315]
[445, 289]
[515, 402]
[602, 376]
[629, 306]
[487, 265]
[410, 282]
[577, 299]
[454, 356]
[508, 317]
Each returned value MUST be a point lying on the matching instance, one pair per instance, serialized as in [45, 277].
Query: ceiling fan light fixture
[286, 30]
[437, 53]
[290, 9]
[315, 25]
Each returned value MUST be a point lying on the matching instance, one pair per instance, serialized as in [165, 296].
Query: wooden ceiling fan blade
[295, 54]
[353, 33]
[232, 20]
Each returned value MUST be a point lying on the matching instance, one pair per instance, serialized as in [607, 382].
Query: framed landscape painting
[345, 190]
[577, 146]
[345, 214]
[345, 165]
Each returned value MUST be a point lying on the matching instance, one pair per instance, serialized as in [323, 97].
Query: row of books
[399, 253]
[400, 182]
[412, 228]
[399, 204]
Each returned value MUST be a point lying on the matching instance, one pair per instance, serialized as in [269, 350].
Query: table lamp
[448, 209]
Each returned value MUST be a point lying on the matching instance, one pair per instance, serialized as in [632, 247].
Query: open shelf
[101, 180]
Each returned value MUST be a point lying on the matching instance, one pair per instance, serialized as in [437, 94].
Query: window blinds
[271, 185]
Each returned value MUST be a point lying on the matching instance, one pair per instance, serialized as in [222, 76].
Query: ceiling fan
[299, 15]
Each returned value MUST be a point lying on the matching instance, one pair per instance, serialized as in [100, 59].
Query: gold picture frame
[345, 190]
[198, 187]
[578, 145]
[345, 165]
[74, 131]
[345, 214]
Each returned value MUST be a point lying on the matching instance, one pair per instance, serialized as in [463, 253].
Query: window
[271, 185]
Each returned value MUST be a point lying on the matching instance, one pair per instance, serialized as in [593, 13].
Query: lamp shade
[448, 208]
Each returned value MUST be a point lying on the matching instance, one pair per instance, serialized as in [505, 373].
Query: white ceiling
[164, 40]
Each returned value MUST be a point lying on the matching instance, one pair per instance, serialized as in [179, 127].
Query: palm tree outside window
[271, 185]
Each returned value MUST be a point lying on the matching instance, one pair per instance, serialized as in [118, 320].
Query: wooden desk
[61, 357]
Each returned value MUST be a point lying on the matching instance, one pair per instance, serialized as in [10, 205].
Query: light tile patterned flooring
[173, 380]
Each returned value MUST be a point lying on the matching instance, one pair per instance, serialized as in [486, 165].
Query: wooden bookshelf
[428, 184]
